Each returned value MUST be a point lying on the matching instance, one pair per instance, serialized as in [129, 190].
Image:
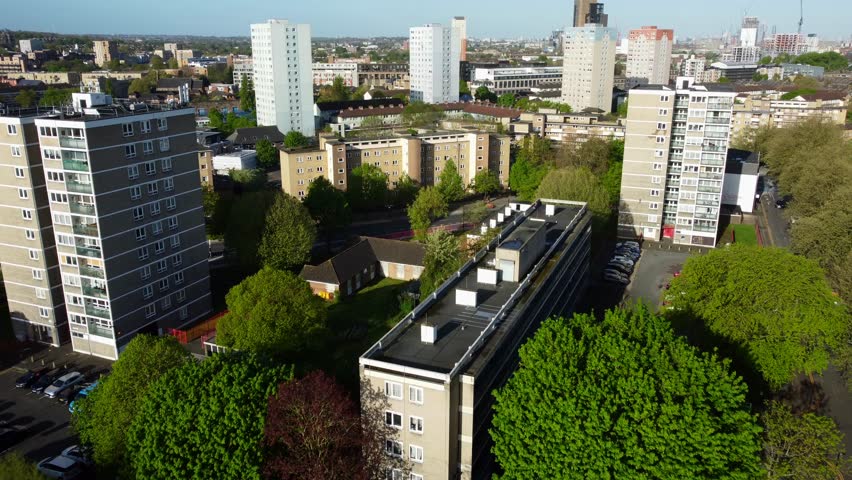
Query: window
[664, 98]
[393, 419]
[661, 139]
[41, 293]
[127, 129]
[69, 260]
[71, 280]
[135, 192]
[140, 234]
[162, 266]
[61, 219]
[43, 312]
[657, 166]
[33, 254]
[661, 126]
[164, 144]
[175, 241]
[58, 197]
[184, 313]
[145, 126]
[37, 274]
[151, 168]
[147, 147]
[12, 129]
[162, 124]
[655, 193]
[181, 295]
[150, 310]
[51, 154]
[177, 260]
[27, 214]
[24, 194]
[167, 164]
[142, 253]
[152, 188]
[138, 213]
[159, 247]
[130, 150]
[48, 131]
[663, 111]
[415, 395]
[155, 209]
[164, 284]
[179, 280]
[167, 302]
[168, 184]
[19, 172]
[157, 228]
[393, 390]
[652, 218]
[145, 273]
[133, 172]
[415, 453]
[16, 151]
[415, 424]
[393, 448]
[147, 292]
[653, 205]
[55, 176]
[656, 180]
[30, 234]
[415, 476]
[173, 223]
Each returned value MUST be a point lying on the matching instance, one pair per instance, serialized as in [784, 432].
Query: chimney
[428, 333]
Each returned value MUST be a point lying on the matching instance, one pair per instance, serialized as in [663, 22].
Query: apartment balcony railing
[681, 104]
[75, 165]
[711, 176]
[678, 144]
[72, 142]
[93, 272]
[679, 118]
[708, 148]
[100, 331]
[676, 157]
[81, 208]
[94, 292]
[699, 228]
[77, 187]
[719, 106]
[679, 131]
[718, 121]
[705, 216]
[707, 203]
[709, 189]
[712, 162]
[84, 229]
[89, 252]
[97, 311]
[716, 134]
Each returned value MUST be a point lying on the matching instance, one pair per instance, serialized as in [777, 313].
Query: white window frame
[391, 387]
[151, 310]
[415, 453]
[130, 150]
[127, 129]
[415, 394]
[391, 416]
[12, 129]
[414, 421]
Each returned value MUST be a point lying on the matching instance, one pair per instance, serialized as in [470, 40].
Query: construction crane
[801, 15]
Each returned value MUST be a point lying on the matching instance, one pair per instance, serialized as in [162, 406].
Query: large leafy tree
[313, 430]
[419, 115]
[13, 466]
[533, 159]
[486, 183]
[774, 304]
[26, 98]
[405, 191]
[450, 183]
[245, 227]
[247, 98]
[295, 139]
[289, 234]
[205, 419]
[103, 417]
[443, 257]
[55, 97]
[803, 445]
[622, 398]
[429, 206]
[368, 187]
[336, 92]
[272, 311]
[577, 184]
[483, 94]
[267, 154]
[327, 205]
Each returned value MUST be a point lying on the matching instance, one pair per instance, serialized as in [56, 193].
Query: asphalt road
[654, 270]
[771, 217]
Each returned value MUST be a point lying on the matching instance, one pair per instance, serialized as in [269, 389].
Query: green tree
[245, 226]
[486, 183]
[336, 92]
[109, 87]
[289, 234]
[774, 304]
[429, 206]
[421, 115]
[801, 446]
[143, 85]
[173, 63]
[157, 62]
[248, 180]
[443, 257]
[622, 398]
[464, 89]
[368, 187]
[759, 77]
[450, 182]
[267, 154]
[576, 184]
[209, 198]
[506, 100]
[532, 162]
[483, 94]
[13, 466]
[724, 80]
[273, 312]
[295, 139]
[55, 97]
[328, 206]
[104, 416]
[831, 61]
[247, 95]
[26, 98]
[205, 419]
[765, 60]
[405, 191]
[622, 109]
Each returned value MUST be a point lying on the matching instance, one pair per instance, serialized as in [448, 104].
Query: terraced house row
[100, 212]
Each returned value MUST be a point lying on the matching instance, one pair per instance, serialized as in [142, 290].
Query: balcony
[89, 271]
[95, 329]
[705, 216]
[679, 131]
[89, 252]
[94, 292]
[711, 176]
[712, 162]
[718, 121]
[708, 148]
[90, 230]
[699, 228]
[97, 311]
[77, 187]
[715, 134]
[75, 165]
[677, 144]
[679, 118]
[707, 203]
[71, 142]
[719, 106]
[710, 189]
[81, 208]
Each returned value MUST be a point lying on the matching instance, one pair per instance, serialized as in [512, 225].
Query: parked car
[781, 203]
[628, 247]
[10, 435]
[78, 453]
[621, 268]
[81, 395]
[69, 394]
[60, 467]
[45, 380]
[62, 383]
[29, 378]
[622, 259]
[615, 277]
[632, 254]
[629, 243]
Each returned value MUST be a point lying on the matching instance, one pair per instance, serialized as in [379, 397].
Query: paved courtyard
[654, 270]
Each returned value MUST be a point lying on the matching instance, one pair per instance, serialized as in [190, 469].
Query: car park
[619, 267]
[81, 395]
[616, 277]
[10, 435]
[628, 243]
[623, 260]
[60, 467]
[69, 394]
[627, 253]
[28, 379]
[79, 454]
[62, 383]
[45, 380]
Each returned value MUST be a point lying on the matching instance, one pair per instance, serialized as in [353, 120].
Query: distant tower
[460, 27]
[434, 64]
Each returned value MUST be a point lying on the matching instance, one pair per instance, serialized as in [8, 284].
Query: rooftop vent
[550, 210]
[428, 333]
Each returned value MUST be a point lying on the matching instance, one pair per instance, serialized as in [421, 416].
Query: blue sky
[486, 18]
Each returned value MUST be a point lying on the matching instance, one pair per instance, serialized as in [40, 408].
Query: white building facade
[283, 82]
[649, 56]
[588, 67]
[325, 73]
[434, 64]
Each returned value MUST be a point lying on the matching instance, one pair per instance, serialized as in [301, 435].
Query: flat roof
[459, 327]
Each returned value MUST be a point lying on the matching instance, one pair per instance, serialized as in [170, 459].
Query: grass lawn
[354, 325]
[745, 234]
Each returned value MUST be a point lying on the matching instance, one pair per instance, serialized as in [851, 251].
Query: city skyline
[342, 19]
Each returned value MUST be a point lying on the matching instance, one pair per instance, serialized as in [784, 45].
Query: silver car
[62, 383]
[60, 467]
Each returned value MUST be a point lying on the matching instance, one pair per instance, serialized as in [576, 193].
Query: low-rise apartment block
[325, 73]
[568, 127]
[757, 109]
[675, 150]
[420, 157]
[127, 252]
[514, 80]
[437, 368]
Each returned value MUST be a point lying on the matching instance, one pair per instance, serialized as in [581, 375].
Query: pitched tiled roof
[467, 107]
[824, 95]
[355, 104]
[251, 135]
[356, 258]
